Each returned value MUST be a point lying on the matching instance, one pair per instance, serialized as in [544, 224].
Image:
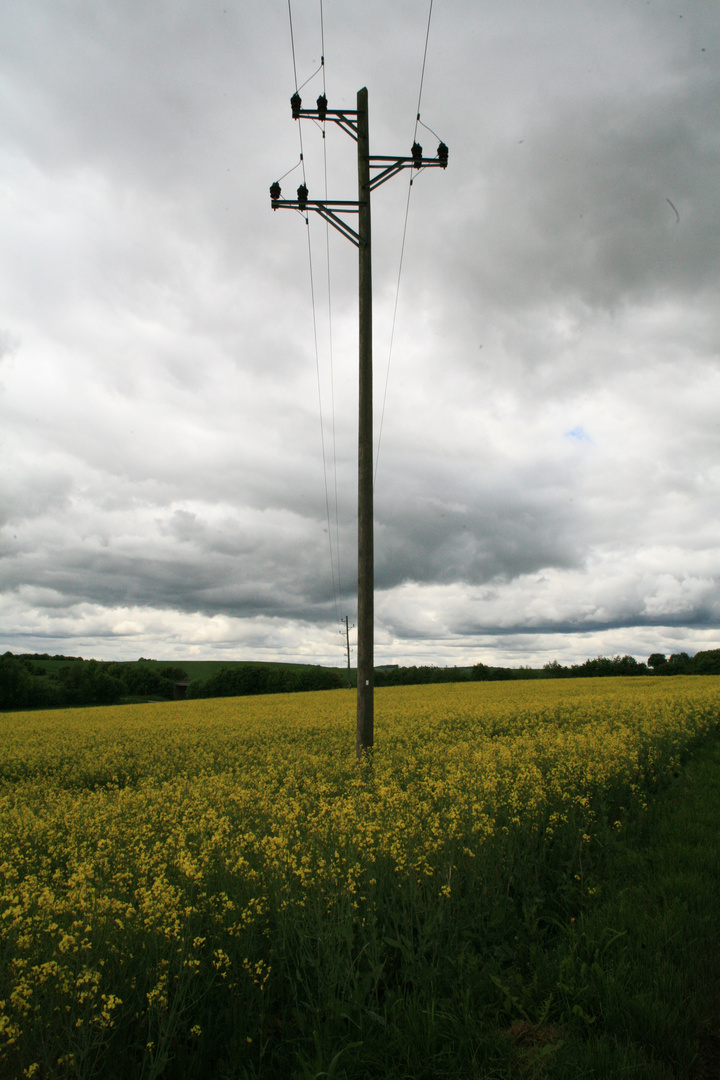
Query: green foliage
[42, 681]
[248, 679]
[14, 683]
[706, 662]
[600, 666]
[703, 663]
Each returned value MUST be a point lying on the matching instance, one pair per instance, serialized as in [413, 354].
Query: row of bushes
[703, 663]
[601, 665]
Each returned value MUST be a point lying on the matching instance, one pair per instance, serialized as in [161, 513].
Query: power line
[392, 333]
[402, 248]
[292, 43]
[306, 215]
[309, 79]
[322, 425]
[422, 74]
[419, 121]
[330, 323]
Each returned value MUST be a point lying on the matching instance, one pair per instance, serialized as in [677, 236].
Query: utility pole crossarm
[344, 118]
[327, 209]
[391, 166]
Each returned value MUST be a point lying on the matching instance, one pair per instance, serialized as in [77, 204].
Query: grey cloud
[9, 344]
[31, 494]
[582, 211]
[495, 536]
[161, 415]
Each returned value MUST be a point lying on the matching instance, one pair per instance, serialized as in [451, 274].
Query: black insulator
[417, 155]
[302, 195]
[442, 154]
[275, 190]
[295, 105]
[322, 107]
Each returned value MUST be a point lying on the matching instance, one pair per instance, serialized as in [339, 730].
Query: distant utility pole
[355, 123]
[347, 646]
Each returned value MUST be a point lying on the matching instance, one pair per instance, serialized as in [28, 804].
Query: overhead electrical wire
[322, 430]
[333, 555]
[392, 333]
[402, 248]
[422, 73]
[292, 43]
[330, 323]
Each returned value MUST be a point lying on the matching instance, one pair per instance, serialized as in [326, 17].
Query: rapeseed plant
[220, 877]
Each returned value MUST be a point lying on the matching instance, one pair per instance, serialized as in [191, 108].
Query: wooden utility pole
[366, 554]
[355, 123]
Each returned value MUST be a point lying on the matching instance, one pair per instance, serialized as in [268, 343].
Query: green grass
[644, 964]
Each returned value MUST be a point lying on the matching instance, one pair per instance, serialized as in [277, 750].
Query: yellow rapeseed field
[167, 866]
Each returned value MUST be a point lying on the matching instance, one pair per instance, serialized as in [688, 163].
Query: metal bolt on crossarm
[372, 172]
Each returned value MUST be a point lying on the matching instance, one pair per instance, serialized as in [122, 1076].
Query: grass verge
[642, 968]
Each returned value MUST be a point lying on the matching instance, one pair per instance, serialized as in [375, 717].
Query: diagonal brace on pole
[327, 210]
[396, 164]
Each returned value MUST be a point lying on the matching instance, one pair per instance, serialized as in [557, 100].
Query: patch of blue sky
[578, 434]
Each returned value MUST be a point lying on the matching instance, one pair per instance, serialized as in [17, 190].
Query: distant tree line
[26, 682]
[414, 676]
[703, 663]
[601, 665]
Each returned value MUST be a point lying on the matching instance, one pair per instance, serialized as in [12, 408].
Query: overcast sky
[548, 483]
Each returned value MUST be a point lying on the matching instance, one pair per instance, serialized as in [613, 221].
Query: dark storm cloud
[493, 533]
[577, 211]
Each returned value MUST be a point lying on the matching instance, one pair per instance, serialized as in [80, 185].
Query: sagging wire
[392, 333]
[419, 121]
[295, 166]
[311, 77]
